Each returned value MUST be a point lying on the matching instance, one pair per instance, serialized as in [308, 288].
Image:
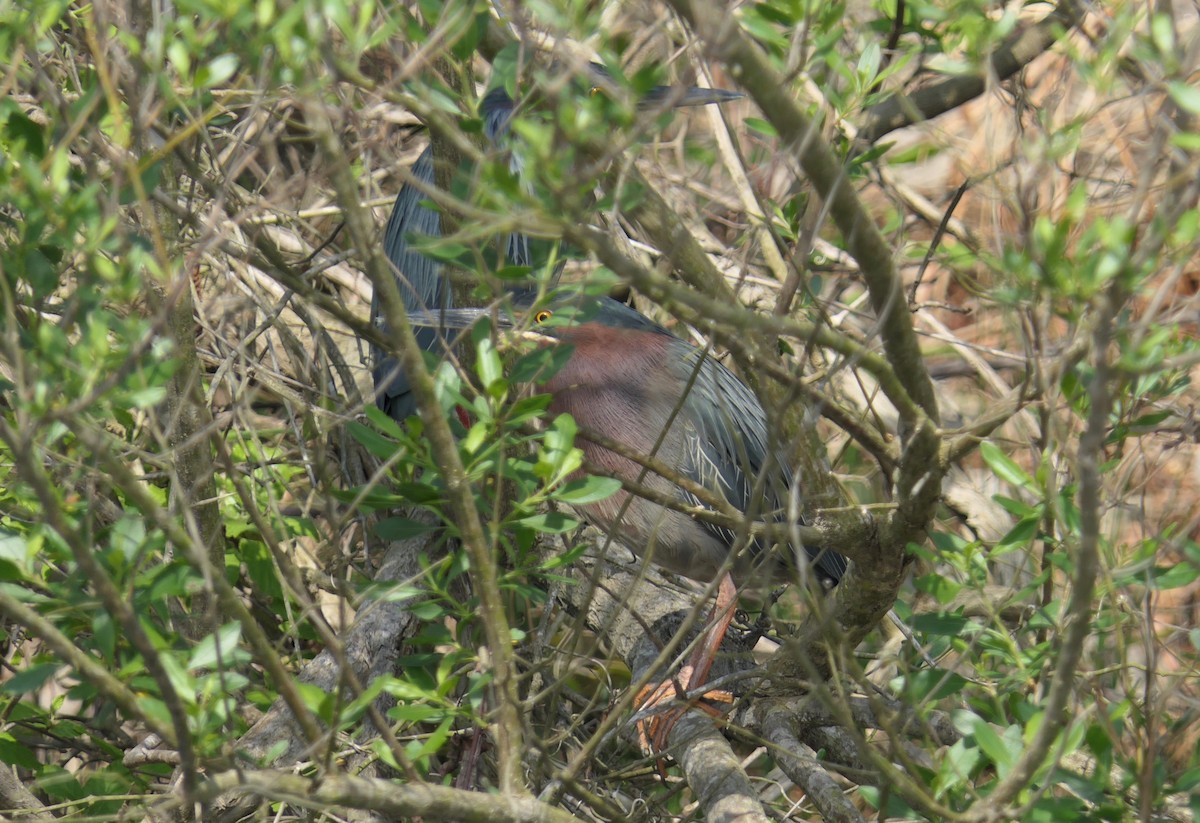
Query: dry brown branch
[369, 646]
[714, 773]
[396, 800]
[800, 763]
[19, 801]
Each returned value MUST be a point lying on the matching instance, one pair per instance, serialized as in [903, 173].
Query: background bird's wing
[496, 111]
[421, 285]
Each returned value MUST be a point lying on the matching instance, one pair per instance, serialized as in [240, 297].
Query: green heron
[421, 284]
[634, 383]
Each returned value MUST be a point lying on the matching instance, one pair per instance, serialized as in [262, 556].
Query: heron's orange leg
[654, 731]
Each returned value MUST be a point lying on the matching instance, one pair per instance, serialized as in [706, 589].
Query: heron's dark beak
[458, 318]
[678, 97]
[670, 97]
[512, 328]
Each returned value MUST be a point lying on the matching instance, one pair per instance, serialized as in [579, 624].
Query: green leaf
[489, 366]
[945, 543]
[390, 593]
[427, 610]
[384, 422]
[14, 549]
[549, 523]
[217, 648]
[439, 249]
[1017, 508]
[127, 536]
[515, 273]
[931, 684]
[761, 126]
[375, 443]
[557, 561]
[473, 33]
[104, 631]
[13, 753]
[416, 713]
[402, 528]
[31, 679]
[868, 63]
[1004, 466]
[422, 494]
[528, 408]
[939, 586]
[1185, 95]
[260, 568]
[147, 397]
[356, 707]
[419, 749]
[23, 132]
[181, 682]
[540, 364]
[1020, 535]
[477, 437]
[59, 784]
[315, 699]
[1178, 576]
[1002, 751]
[939, 625]
[1162, 32]
[960, 761]
[586, 490]
[218, 70]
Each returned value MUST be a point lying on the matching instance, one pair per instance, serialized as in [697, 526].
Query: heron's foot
[654, 732]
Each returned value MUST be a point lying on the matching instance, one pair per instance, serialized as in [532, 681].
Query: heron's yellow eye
[542, 315]
[594, 90]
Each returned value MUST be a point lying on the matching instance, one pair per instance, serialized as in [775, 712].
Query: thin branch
[31, 469]
[459, 491]
[863, 240]
[228, 600]
[89, 670]
[1086, 558]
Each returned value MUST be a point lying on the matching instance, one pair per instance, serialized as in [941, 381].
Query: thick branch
[800, 764]
[397, 801]
[370, 645]
[714, 772]
[186, 421]
[1017, 51]
[863, 240]
[19, 802]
